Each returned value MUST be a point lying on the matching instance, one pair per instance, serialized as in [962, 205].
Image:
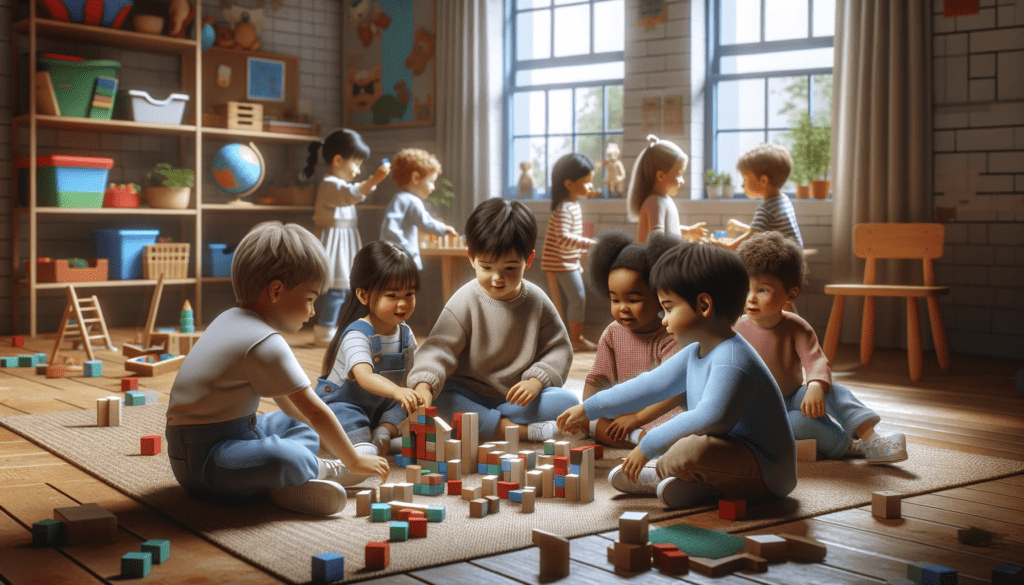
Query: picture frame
[266, 79]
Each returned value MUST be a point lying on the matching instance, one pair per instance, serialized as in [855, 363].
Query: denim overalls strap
[390, 365]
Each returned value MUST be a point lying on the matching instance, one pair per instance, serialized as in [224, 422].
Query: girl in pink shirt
[636, 341]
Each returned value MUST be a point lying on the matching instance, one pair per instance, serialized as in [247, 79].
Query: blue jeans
[570, 285]
[832, 438]
[330, 306]
[455, 397]
[241, 456]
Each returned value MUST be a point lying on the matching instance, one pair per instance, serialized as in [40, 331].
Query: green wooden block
[380, 512]
[399, 531]
[431, 437]
[136, 565]
[160, 549]
[26, 361]
[46, 532]
[407, 442]
[435, 513]
[134, 398]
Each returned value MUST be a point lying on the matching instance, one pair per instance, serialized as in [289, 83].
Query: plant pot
[803, 192]
[713, 191]
[820, 189]
[168, 197]
[728, 191]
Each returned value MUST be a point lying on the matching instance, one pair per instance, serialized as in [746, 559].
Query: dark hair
[690, 270]
[342, 141]
[497, 226]
[571, 167]
[616, 249]
[376, 266]
[775, 254]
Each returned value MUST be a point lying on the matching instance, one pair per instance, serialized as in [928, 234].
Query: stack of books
[103, 98]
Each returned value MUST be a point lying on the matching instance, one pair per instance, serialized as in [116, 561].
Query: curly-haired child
[415, 172]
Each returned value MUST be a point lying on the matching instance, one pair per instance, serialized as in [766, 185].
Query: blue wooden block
[403, 461]
[560, 481]
[160, 549]
[40, 359]
[328, 567]
[574, 469]
[506, 464]
[442, 467]
[26, 361]
[435, 513]
[134, 398]
[1007, 575]
[93, 368]
[515, 496]
[481, 468]
[380, 512]
[399, 531]
[136, 565]
[46, 533]
[938, 575]
[421, 419]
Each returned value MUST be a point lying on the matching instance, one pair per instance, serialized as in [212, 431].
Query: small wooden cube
[478, 508]
[129, 384]
[363, 500]
[1007, 575]
[328, 567]
[886, 504]
[554, 553]
[529, 501]
[136, 565]
[46, 532]
[633, 557]
[768, 546]
[803, 548]
[412, 473]
[418, 526]
[87, 524]
[674, 562]
[493, 504]
[150, 445]
[732, 509]
[160, 549]
[18, 341]
[634, 527]
[471, 494]
[378, 555]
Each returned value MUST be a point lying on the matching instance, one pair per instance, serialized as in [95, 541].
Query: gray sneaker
[676, 493]
[855, 448]
[647, 484]
[315, 497]
[889, 449]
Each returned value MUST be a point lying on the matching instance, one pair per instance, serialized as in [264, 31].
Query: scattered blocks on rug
[974, 536]
[767, 546]
[87, 523]
[134, 398]
[455, 487]
[886, 504]
[160, 549]
[732, 509]
[554, 553]
[150, 445]
[46, 532]
[380, 512]
[418, 526]
[806, 450]
[399, 531]
[478, 508]
[363, 500]
[493, 504]
[328, 567]
[1007, 575]
[529, 500]
[634, 527]
[633, 557]
[136, 565]
[92, 369]
[378, 555]
[803, 548]
[129, 384]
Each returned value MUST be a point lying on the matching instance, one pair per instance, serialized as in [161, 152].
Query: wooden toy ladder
[77, 309]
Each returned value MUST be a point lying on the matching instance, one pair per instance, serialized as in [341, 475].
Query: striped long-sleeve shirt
[564, 242]
[776, 214]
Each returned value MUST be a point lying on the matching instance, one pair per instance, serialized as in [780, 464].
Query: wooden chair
[871, 241]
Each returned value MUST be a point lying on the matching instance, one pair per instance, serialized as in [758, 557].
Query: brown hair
[413, 160]
[767, 159]
[776, 255]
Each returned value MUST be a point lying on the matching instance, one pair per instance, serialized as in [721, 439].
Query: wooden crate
[171, 260]
[241, 115]
[143, 368]
[61, 271]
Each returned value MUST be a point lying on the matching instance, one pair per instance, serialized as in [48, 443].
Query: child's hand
[408, 398]
[524, 392]
[370, 465]
[695, 231]
[449, 230]
[734, 226]
[634, 464]
[622, 425]
[573, 419]
[813, 405]
[424, 393]
[381, 173]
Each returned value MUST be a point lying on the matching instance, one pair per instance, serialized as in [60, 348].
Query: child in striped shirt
[765, 168]
[572, 178]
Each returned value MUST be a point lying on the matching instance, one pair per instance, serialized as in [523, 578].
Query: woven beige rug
[283, 542]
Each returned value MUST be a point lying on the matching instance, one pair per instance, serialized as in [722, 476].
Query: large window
[770, 64]
[565, 85]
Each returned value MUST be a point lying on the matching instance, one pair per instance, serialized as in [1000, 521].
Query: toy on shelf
[70, 270]
[614, 170]
[180, 13]
[246, 24]
[241, 115]
[169, 188]
[526, 180]
[122, 195]
[238, 170]
[108, 13]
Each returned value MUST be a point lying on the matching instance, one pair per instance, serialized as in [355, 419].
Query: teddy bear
[422, 52]
[369, 19]
[365, 87]
[526, 181]
[615, 172]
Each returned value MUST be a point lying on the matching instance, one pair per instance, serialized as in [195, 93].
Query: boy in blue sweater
[734, 440]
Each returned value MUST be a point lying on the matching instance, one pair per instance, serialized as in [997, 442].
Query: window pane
[592, 147]
[560, 111]
[741, 104]
[533, 35]
[561, 2]
[785, 19]
[729, 147]
[609, 26]
[572, 31]
[786, 96]
[528, 110]
[824, 18]
[524, 4]
[558, 146]
[804, 59]
[575, 74]
[822, 102]
[590, 109]
[740, 21]
[615, 107]
[527, 150]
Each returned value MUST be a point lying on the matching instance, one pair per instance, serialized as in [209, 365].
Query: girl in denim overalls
[363, 375]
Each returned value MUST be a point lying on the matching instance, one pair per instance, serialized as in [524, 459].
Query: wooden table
[451, 273]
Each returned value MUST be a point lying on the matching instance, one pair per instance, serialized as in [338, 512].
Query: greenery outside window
[564, 78]
[769, 69]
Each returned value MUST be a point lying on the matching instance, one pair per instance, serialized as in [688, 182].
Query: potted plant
[727, 189]
[810, 145]
[712, 184]
[169, 188]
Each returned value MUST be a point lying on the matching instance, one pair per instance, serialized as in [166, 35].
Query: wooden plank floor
[972, 408]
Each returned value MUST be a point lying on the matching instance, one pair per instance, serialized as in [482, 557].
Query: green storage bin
[74, 82]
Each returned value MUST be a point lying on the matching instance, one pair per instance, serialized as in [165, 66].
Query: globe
[238, 169]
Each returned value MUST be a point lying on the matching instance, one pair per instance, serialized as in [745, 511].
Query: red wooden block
[559, 492]
[732, 509]
[455, 487]
[493, 458]
[18, 341]
[421, 449]
[422, 429]
[405, 514]
[151, 445]
[129, 384]
[378, 555]
[506, 486]
[417, 526]
[409, 452]
[431, 411]
[457, 426]
[561, 465]
[430, 456]
[658, 549]
[433, 479]
[674, 562]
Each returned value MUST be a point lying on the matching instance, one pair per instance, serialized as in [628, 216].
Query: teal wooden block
[380, 512]
[9, 361]
[1007, 575]
[134, 398]
[136, 565]
[435, 513]
[93, 368]
[160, 549]
[399, 531]
[407, 442]
[40, 358]
[46, 532]
[328, 567]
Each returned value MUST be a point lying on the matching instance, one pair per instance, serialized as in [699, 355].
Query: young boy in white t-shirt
[218, 447]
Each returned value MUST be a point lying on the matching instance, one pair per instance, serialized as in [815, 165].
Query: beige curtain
[881, 120]
[463, 105]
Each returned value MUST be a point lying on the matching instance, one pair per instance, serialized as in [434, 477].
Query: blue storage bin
[217, 260]
[123, 249]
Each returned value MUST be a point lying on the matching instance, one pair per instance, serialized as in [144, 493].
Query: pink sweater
[788, 349]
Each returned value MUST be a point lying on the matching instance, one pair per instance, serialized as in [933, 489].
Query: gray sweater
[489, 346]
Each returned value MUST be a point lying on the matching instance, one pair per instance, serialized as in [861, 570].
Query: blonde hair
[767, 159]
[660, 155]
[413, 160]
[276, 251]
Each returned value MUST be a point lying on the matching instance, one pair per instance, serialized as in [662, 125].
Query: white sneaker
[315, 497]
[676, 493]
[647, 484]
[335, 470]
[890, 449]
[539, 432]
[322, 335]
[855, 448]
[382, 441]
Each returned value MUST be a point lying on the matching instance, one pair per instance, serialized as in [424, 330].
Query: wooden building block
[387, 492]
[493, 504]
[732, 509]
[454, 487]
[886, 504]
[470, 440]
[160, 549]
[452, 449]
[767, 546]
[535, 479]
[47, 532]
[572, 488]
[529, 499]
[454, 469]
[478, 508]
[489, 485]
[418, 526]
[561, 448]
[717, 567]
[328, 567]
[86, 524]
[113, 411]
[149, 445]
[587, 473]
[633, 557]
[806, 450]
[378, 555]
[545, 460]
[611, 554]
[412, 473]
[102, 412]
[512, 438]
[363, 500]
[472, 493]
[1007, 575]
[634, 527]
[674, 562]
[129, 384]
[547, 480]
[140, 366]
[554, 553]
[803, 548]
[658, 549]
[517, 471]
[403, 491]
[136, 565]
[753, 563]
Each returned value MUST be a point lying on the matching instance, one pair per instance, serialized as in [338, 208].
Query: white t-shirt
[355, 349]
[238, 360]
